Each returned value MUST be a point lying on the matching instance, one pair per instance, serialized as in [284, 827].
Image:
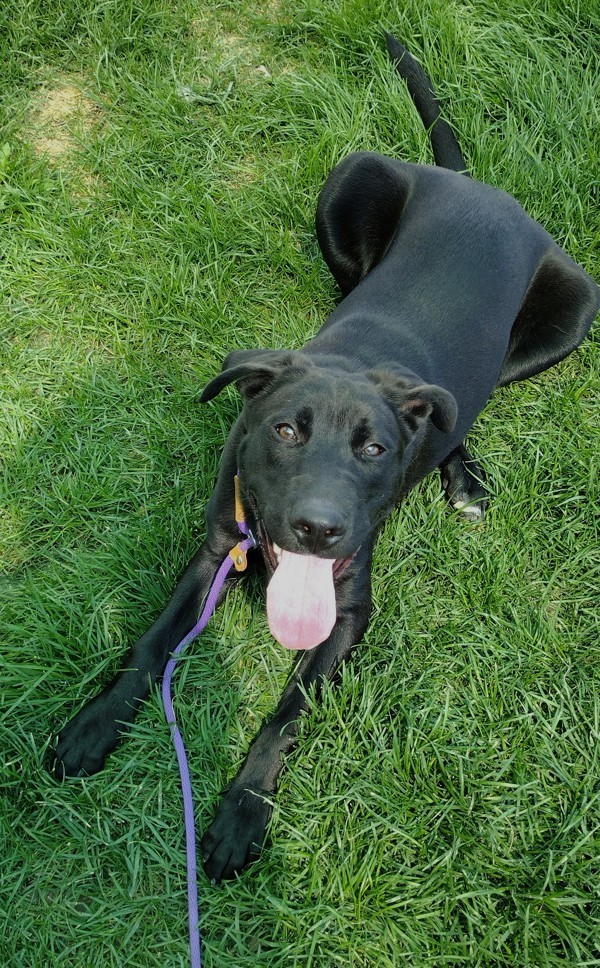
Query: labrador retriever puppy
[449, 290]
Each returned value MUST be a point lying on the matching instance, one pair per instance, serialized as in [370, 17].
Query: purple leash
[236, 557]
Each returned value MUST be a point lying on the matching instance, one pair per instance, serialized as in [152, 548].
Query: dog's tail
[446, 150]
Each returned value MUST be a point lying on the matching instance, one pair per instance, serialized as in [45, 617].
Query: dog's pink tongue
[301, 600]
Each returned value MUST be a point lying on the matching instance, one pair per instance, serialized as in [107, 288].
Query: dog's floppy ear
[429, 400]
[414, 403]
[254, 371]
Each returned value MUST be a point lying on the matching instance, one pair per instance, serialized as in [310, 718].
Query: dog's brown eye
[286, 431]
[373, 450]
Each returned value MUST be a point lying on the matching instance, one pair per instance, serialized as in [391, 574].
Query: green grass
[443, 806]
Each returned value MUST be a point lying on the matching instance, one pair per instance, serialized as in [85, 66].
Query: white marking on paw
[470, 510]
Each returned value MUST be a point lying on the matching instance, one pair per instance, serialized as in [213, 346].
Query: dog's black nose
[317, 525]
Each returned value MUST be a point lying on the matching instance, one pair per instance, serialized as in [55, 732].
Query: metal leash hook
[237, 558]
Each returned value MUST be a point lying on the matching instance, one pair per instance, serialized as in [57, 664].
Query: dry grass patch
[59, 119]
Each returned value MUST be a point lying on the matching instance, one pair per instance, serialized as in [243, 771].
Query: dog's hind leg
[559, 308]
[358, 211]
[463, 480]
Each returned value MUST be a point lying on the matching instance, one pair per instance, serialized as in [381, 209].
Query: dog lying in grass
[449, 290]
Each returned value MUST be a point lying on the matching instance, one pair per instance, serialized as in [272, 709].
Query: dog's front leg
[93, 733]
[237, 833]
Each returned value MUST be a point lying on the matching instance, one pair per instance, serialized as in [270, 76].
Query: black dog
[450, 290]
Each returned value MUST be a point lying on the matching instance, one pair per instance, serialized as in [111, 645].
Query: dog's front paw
[237, 834]
[88, 738]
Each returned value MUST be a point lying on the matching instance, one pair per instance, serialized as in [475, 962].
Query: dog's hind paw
[474, 513]
[462, 480]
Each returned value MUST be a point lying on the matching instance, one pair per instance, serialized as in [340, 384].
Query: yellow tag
[240, 559]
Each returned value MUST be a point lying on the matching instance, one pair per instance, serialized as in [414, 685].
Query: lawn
[159, 168]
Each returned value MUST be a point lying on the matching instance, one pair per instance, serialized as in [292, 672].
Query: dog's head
[321, 461]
